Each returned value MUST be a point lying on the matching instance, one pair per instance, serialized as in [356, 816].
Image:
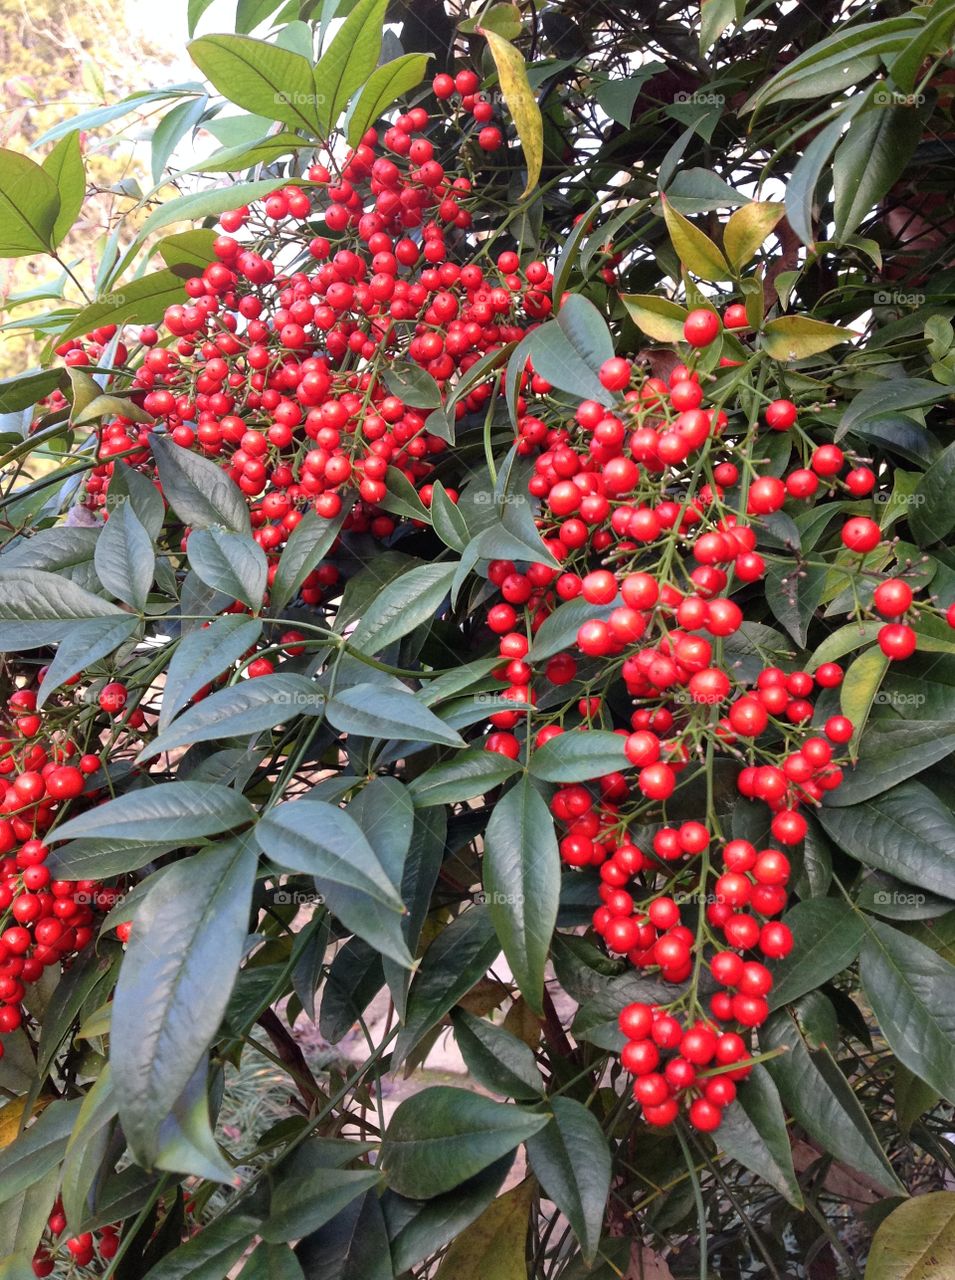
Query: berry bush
[496, 570]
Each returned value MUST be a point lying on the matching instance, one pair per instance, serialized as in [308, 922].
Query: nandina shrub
[393, 618]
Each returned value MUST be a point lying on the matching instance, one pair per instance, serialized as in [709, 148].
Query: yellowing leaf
[748, 228]
[916, 1241]
[795, 337]
[859, 688]
[10, 1117]
[659, 318]
[492, 1248]
[696, 251]
[512, 73]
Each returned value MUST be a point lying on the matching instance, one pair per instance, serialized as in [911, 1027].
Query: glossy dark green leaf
[272, 1262]
[470, 773]
[211, 1253]
[247, 707]
[890, 752]
[303, 1203]
[198, 490]
[308, 544]
[201, 656]
[138, 301]
[754, 1133]
[419, 1228]
[64, 164]
[352, 1246]
[349, 60]
[231, 563]
[376, 711]
[571, 1160]
[906, 831]
[821, 1100]
[522, 883]
[29, 206]
[405, 603]
[124, 557]
[355, 977]
[827, 935]
[261, 77]
[439, 1137]
[495, 1058]
[174, 985]
[871, 157]
[578, 756]
[909, 987]
[322, 841]
[38, 1149]
[458, 957]
[168, 811]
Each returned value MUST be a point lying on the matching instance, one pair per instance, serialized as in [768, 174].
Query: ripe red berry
[701, 327]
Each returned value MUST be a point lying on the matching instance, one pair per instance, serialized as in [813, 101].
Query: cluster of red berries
[465, 87]
[83, 1249]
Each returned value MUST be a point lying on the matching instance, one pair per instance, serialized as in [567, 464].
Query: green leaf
[586, 330]
[38, 608]
[200, 493]
[471, 773]
[170, 131]
[420, 1228]
[859, 688]
[695, 250]
[571, 1160]
[384, 87]
[458, 957]
[522, 884]
[909, 987]
[497, 1060]
[754, 1133]
[71, 993]
[188, 253]
[202, 656]
[250, 706]
[796, 337]
[349, 60]
[449, 524]
[64, 165]
[871, 158]
[715, 17]
[204, 204]
[322, 841]
[916, 1241]
[302, 1202]
[167, 811]
[211, 1253]
[178, 972]
[91, 859]
[38, 1149]
[308, 544]
[195, 11]
[441, 1136]
[127, 485]
[25, 389]
[229, 562]
[913, 1097]
[827, 935]
[932, 516]
[809, 168]
[747, 228]
[906, 831]
[141, 301]
[888, 397]
[836, 63]
[86, 1149]
[659, 318]
[822, 1101]
[519, 96]
[377, 711]
[412, 385]
[245, 156]
[124, 557]
[890, 752]
[261, 77]
[407, 602]
[493, 1247]
[352, 1246]
[29, 206]
[272, 1262]
[579, 755]
[934, 37]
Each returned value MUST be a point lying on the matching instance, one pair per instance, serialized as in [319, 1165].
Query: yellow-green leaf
[859, 688]
[747, 228]
[383, 87]
[492, 1248]
[795, 337]
[715, 17]
[659, 318]
[696, 251]
[512, 73]
[916, 1241]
